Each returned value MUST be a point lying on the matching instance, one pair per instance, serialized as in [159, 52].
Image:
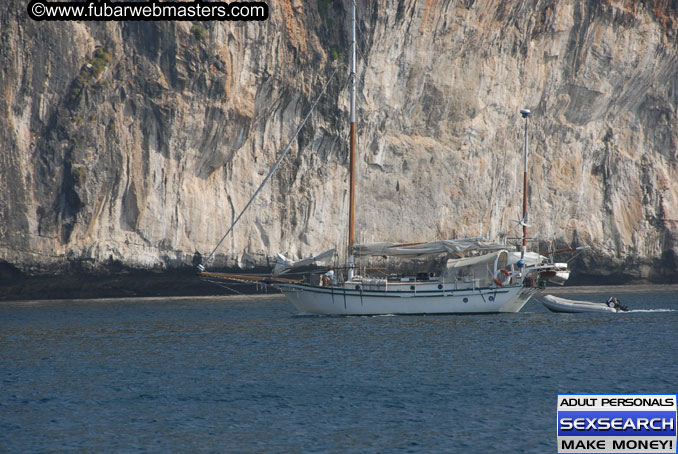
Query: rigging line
[360, 51]
[273, 169]
[574, 256]
[361, 33]
[222, 285]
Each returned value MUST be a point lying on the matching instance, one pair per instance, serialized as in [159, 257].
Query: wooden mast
[351, 156]
[525, 113]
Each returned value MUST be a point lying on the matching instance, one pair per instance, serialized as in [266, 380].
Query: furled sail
[530, 259]
[483, 268]
[284, 264]
[457, 248]
[500, 258]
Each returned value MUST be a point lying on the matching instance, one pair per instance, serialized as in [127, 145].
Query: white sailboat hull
[341, 301]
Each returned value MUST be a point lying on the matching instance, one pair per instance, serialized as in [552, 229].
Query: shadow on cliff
[114, 280]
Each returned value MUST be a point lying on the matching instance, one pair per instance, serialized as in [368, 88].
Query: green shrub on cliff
[99, 62]
[79, 175]
[89, 72]
[198, 32]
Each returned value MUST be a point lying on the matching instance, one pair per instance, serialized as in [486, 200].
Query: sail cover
[457, 248]
[284, 264]
[530, 259]
[501, 257]
[481, 267]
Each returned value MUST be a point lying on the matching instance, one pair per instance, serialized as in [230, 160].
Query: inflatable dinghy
[555, 304]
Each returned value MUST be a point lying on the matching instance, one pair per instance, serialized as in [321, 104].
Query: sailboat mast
[351, 215]
[525, 113]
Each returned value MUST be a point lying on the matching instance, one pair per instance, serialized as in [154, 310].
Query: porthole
[440, 286]
[411, 287]
[357, 287]
[491, 298]
[466, 300]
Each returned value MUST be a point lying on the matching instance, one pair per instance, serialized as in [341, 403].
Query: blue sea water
[246, 375]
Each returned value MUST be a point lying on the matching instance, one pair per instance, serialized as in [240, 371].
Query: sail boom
[458, 248]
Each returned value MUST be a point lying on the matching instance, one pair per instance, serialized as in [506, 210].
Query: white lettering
[619, 424]
[642, 423]
[629, 424]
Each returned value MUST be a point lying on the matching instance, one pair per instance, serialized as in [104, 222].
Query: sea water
[247, 375]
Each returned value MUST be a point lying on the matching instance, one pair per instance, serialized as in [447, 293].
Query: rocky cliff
[138, 142]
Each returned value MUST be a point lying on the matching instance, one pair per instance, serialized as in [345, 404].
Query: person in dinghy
[616, 304]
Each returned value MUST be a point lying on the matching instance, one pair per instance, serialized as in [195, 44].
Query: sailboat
[478, 277]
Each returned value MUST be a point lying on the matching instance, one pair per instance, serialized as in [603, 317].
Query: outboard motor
[614, 303]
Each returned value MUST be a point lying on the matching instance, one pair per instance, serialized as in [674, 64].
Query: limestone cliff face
[140, 142]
